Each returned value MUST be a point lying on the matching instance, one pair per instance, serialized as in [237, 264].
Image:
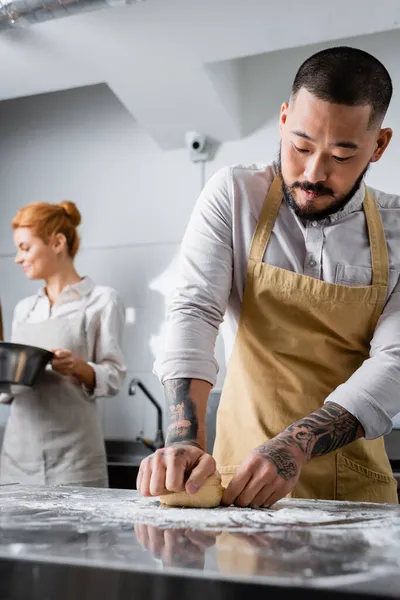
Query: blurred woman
[53, 435]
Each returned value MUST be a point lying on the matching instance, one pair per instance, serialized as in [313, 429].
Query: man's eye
[301, 150]
[340, 159]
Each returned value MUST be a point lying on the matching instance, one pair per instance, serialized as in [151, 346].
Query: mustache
[316, 188]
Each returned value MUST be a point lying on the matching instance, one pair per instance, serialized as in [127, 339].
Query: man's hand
[273, 469]
[183, 464]
[268, 474]
[174, 469]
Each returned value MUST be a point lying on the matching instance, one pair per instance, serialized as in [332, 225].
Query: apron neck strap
[266, 221]
[377, 239]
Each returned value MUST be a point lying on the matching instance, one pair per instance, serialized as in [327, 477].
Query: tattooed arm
[273, 469]
[183, 463]
[323, 431]
[187, 403]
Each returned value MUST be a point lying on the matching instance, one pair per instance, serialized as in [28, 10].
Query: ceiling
[178, 65]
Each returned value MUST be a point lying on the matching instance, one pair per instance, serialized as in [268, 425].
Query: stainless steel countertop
[335, 546]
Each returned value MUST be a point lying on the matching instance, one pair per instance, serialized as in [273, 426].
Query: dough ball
[208, 496]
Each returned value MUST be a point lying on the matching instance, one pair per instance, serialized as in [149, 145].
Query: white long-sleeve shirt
[104, 322]
[213, 263]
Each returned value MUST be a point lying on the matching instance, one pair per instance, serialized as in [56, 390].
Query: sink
[126, 452]
[123, 461]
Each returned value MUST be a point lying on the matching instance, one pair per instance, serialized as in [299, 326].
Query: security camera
[196, 143]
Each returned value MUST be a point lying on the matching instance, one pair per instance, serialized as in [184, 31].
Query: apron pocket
[359, 276]
[356, 483]
[348, 275]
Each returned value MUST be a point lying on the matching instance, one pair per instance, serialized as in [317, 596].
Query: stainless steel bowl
[20, 366]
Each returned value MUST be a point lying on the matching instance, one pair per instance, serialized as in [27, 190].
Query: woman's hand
[65, 363]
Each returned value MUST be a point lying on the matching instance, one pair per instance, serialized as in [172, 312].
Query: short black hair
[344, 75]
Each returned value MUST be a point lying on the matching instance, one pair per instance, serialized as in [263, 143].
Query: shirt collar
[74, 291]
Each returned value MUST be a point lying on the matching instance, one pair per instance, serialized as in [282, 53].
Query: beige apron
[298, 339]
[53, 435]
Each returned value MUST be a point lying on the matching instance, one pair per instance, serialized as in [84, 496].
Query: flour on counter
[94, 506]
[248, 519]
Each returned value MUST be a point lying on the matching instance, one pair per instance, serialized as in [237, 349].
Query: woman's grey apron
[53, 435]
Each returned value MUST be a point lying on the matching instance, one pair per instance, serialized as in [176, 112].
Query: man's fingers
[175, 474]
[262, 496]
[146, 478]
[139, 477]
[157, 480]
[162, 473]
[278, 494]
[263, 482]
[236, 486]
[202, 471]
[166, 469]
[253, 488]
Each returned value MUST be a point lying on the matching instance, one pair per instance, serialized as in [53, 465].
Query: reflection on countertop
[311, 544]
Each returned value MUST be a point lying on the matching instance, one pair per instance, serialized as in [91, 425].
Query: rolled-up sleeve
[372, 393]
[198, 304]
[108, 363]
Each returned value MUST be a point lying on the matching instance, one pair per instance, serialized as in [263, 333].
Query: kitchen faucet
[158, 441]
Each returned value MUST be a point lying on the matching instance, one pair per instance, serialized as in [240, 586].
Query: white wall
[135, 202]
[135, 199]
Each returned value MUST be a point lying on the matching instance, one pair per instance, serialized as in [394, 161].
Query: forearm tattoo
[182, 414]
[323, 431]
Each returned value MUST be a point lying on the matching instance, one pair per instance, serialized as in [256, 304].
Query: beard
[310, 212]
